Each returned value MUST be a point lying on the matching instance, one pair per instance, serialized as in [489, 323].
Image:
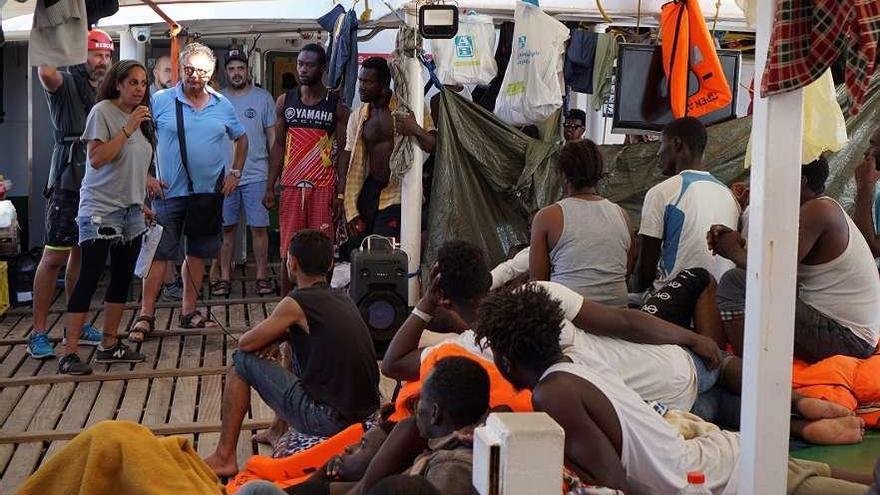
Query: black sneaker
[119, 353]
[72, 365]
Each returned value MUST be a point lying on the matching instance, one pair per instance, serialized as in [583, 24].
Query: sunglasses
[192, 71]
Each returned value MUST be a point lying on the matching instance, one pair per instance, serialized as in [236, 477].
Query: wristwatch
[235, 173]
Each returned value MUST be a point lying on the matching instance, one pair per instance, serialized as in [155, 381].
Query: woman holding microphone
[112, 213]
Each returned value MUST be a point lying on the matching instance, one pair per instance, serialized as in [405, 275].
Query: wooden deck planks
[178, 390]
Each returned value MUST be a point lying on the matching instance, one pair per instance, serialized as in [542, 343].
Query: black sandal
[265, 287]
[186, 321]
[135, 330]
[221, 288]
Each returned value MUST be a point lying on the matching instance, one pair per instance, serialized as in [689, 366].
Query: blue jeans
[170, 214]
[249, 196]
[712, 401]
[283, 391]
[261, 487]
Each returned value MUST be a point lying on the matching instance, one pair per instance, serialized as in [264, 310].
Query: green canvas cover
[489, 177]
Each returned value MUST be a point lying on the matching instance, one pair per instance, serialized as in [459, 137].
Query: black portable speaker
[379, 290]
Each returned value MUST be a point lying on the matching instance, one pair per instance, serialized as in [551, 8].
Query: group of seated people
[559, 323]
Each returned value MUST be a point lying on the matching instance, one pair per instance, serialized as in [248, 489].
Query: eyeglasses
[191, 71]
[572, 127]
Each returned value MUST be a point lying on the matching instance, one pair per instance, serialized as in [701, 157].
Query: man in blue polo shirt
[210, 123]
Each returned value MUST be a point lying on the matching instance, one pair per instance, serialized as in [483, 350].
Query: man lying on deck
[612, 437]
[336, 380]
[837, 310]
[684, 376]
[436, 444]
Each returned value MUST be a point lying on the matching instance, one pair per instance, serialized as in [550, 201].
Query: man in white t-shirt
[654, 355]
[678, 212]
[464, 281]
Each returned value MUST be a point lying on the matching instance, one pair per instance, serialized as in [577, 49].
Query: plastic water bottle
[696, 485]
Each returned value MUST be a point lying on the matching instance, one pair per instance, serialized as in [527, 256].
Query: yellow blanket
[120, 457]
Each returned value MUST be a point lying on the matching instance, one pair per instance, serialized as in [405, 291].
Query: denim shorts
[283, 391]
[170, 213]
[249, 196]
[121, 225]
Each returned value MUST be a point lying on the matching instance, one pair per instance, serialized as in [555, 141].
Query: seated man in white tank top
[584, 241]
[838, 304]
[612, 437]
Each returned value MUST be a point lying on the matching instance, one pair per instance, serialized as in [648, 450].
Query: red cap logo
[100, 40]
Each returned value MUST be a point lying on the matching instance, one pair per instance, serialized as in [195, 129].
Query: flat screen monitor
[641, 96]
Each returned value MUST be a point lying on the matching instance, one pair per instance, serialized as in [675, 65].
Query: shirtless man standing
[372, 197]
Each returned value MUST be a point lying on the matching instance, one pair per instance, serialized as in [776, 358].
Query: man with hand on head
[70, 95]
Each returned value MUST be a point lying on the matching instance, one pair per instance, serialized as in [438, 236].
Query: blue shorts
[121, 225]
[251, 197]
[170, 214]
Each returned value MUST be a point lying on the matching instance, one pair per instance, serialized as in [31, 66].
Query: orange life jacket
[295, 469]
[688, 48]
[501, 392]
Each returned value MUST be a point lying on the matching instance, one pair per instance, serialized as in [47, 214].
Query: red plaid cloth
[809, 35]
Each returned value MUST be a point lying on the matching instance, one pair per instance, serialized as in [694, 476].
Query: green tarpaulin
[489, 176]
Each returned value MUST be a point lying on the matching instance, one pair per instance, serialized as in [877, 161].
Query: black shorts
[62, 232]
[675, 301]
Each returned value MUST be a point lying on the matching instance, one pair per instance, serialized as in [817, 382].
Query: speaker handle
[369, 241]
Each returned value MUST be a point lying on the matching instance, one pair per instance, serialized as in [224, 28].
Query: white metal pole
[772, 264]
[411, 195]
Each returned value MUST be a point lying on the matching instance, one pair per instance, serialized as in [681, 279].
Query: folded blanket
[120, 457]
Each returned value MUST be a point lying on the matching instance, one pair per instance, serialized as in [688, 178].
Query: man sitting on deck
[687, 375]
[678, 211]
[612, 437]
[336, 378]
[838, 305]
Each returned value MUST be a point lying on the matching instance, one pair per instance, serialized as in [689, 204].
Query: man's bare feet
[270, 436]
[222, 467]
[810, 408]
[833, 431]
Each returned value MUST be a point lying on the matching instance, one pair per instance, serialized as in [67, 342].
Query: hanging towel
[810, 35]
[342, 59]
[579, 61]
[59, 32]
[603, 67]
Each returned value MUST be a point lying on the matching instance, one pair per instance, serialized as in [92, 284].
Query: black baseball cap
[236, 54]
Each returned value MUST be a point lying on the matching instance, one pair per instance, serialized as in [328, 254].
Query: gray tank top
[590, 256]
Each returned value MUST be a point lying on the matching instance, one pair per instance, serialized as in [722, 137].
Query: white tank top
[654, 455]
[847, 288]
[590, 256]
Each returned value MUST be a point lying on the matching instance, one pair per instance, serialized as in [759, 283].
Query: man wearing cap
[70, 95]
[256, 112]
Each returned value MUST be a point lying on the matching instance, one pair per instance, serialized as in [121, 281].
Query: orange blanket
[851, 382]
[295, 469]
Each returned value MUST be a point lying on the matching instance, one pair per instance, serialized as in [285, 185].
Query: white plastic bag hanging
[469, 57]
[532, 87]
[149, 245]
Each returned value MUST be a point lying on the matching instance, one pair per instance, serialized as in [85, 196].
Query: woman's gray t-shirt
[122, 182]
